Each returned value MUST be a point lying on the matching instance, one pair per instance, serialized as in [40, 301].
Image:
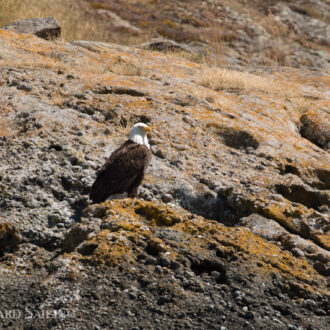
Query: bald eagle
[125, 168]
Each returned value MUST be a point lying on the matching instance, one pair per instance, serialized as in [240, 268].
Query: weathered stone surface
[316, 127]
[266, 228]
[140, 261]
[246, 218]
[273, 231]
[304, 21]
[46, 28]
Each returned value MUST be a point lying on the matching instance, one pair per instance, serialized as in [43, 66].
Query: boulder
[266, 228]
[46, 27]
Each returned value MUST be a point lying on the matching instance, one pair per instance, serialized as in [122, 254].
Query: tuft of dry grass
[122, 67]
[289, 93]
[214, 80]
[301, 104]
[274, 26]
[224, 79]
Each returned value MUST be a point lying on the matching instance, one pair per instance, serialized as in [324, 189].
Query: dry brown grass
[116, 65]
[72, 16]
[274, 26]
[218, 99]
[77, 18]
[301, 104]
[274, 50]
[122, 67]
[289, 93]
[222, 79]
[35, 61]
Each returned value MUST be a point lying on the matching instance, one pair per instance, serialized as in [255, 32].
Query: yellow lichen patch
[324, 240]
[123, 225]
[111, 249]
[256, 250]
[161, 216]
[134, 224]
[290, 217]
[282, 214]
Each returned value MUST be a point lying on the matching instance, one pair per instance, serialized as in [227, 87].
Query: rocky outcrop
[146, 258]
[46, 28]
[316, 127]
[231, 224]
[235, 34]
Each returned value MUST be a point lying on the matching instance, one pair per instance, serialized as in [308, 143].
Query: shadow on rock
[213, 208]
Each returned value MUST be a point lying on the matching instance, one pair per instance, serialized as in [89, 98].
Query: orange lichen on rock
[111, 249]
[160, 215]
[133, 224]
[324, 240]
[282, 213]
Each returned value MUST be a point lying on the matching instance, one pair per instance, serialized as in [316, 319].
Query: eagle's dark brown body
[122, 172]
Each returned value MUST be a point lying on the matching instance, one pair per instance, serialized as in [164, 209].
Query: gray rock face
[272, 231]
[266, 228]
[46, 28]
[295, 16]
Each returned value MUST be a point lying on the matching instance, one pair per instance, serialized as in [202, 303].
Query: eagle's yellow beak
[148, 129]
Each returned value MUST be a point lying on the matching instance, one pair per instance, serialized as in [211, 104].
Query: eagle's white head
[139, 133]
